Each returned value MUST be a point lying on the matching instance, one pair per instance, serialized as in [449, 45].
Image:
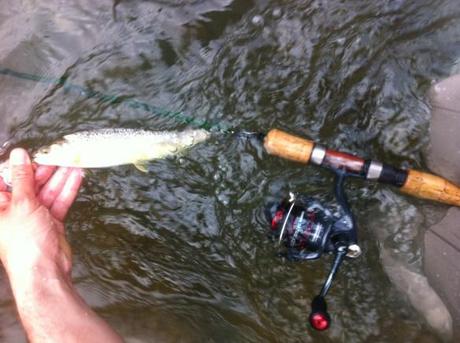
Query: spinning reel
[308, 229]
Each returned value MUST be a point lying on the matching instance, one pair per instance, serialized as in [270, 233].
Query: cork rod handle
[415, 183]
[432, 187]
[288, 146]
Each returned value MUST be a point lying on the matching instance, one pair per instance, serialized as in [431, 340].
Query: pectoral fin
[142, 166]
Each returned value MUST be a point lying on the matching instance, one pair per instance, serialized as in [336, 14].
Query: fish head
[59, 153]
[191, 137]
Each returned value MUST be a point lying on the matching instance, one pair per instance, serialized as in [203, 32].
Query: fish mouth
[200, 136]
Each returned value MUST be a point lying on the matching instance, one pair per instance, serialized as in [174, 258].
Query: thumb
[22, 177]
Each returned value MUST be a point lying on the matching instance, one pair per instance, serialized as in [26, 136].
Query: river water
[181, 254]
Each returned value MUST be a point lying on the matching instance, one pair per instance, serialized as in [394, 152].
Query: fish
[106, 148]
[112, 147]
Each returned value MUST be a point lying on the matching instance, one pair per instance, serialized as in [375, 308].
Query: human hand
[32, 234]
[37, 257]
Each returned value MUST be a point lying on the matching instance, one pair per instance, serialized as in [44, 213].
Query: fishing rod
[419, 184]
[306, 229]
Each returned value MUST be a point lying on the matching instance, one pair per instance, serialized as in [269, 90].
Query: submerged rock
[420, 294]
[442, 240]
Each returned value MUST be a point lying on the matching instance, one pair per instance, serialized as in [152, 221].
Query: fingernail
[19, 157]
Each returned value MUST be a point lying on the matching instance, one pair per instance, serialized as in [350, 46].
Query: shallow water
[181, 254]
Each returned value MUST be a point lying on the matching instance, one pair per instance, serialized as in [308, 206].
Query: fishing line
[178, 116]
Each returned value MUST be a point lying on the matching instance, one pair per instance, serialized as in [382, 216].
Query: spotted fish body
[112, 147]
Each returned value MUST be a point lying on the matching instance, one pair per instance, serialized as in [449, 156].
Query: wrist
[44, 300]
[32, 261]
[52, 311]
[29, 280]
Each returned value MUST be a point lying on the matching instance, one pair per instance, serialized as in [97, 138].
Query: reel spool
[307, 229]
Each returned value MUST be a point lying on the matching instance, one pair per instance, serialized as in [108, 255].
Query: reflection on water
[181, 254]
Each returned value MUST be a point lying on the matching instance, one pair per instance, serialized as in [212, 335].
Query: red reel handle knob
[319, 318]
[320, 321]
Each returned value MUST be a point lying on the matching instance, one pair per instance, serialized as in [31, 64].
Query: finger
[3, 186]
[5, 175]
[53, 187]
[43, 174]
[5, 199]
[68, 194]
[22, 177]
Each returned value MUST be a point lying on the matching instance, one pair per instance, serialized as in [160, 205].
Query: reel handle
[319, 318]
[412, 182]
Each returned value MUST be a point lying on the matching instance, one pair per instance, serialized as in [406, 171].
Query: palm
[38, 214]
